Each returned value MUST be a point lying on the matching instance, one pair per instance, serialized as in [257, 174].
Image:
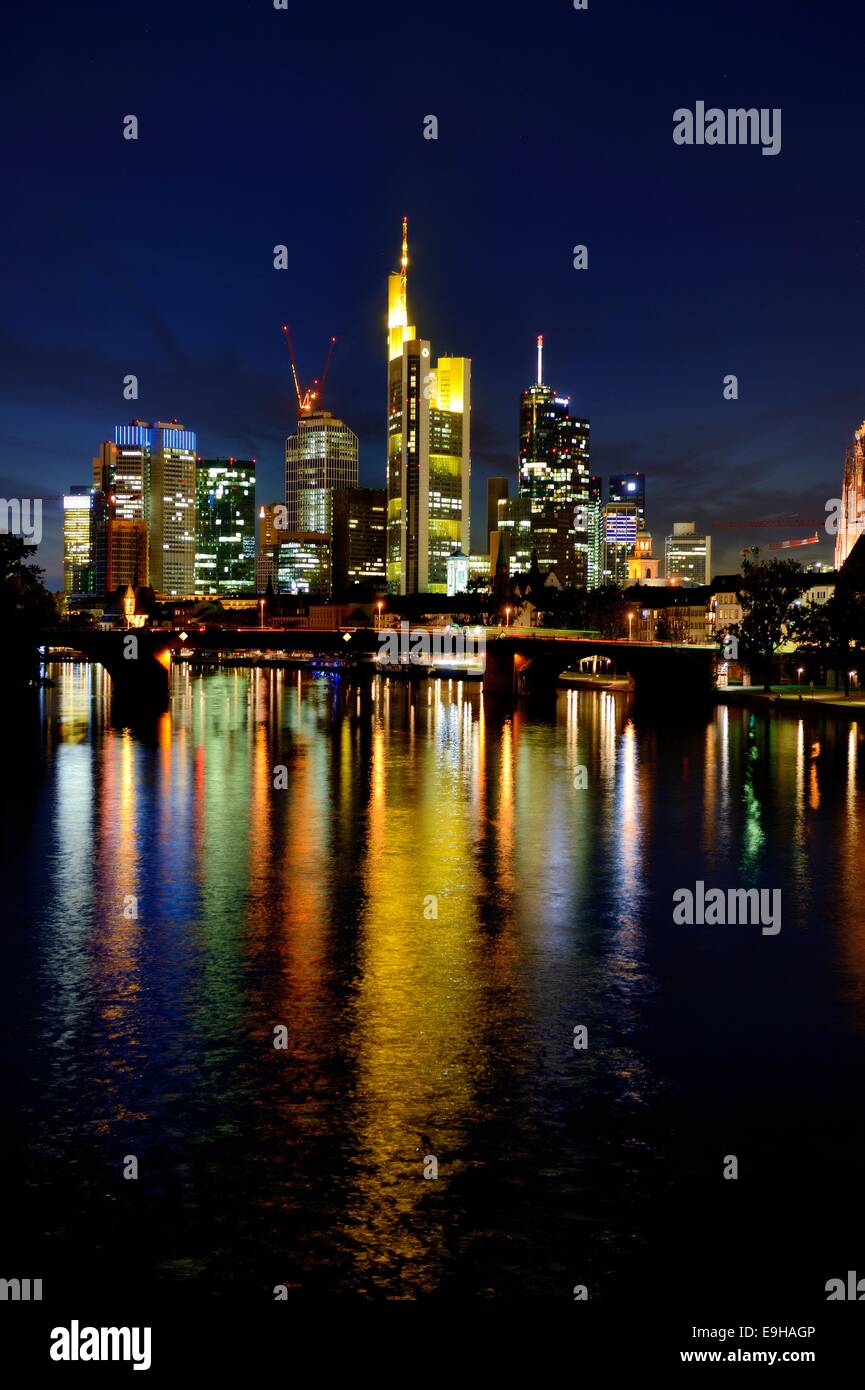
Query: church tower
[851, 520]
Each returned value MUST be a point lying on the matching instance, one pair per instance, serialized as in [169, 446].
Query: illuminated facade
[148, 474]
[270, 515]
[554, 474]
[458, 571]
[630, 487]
[78, 542]
[120, 474]
[428, 451]
[594, 534]
[851, 520]
[554, 541]
[225, 526]
[514, 554]
[688, 556]
[322, 455]
[620, 523]
[126, 553]
[358, 526]
[303, 563]
[169, 500]
[642, 565]
[120, 470]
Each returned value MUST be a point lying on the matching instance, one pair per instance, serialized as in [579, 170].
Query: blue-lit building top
[171, 435]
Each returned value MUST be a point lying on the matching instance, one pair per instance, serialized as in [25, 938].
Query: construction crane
[791, 520]
[310, 399]
[789, 545]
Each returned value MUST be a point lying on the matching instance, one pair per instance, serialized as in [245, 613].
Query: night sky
[304, 127]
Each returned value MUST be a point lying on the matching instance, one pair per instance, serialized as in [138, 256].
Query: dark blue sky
[304, 127]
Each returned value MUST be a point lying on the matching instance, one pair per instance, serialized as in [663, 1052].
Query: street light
[379, 606]
[799, 670]
[630, 622]
[850, 678]
[507, 617]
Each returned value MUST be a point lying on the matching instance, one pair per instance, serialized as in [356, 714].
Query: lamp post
[630, 622]
[379, 607]
[507, 617]
[850, 676]
[799, 670]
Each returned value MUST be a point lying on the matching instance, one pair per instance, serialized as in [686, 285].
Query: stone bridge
[139, 660]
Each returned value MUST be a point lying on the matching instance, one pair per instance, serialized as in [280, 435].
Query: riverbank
[792, 702]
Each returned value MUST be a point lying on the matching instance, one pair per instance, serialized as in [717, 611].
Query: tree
[768, 592]
[26, 609]
[832, 634]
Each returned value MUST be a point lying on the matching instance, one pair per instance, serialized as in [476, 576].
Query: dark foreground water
[167, 908]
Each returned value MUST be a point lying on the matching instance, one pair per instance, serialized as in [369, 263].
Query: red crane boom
[309, 399]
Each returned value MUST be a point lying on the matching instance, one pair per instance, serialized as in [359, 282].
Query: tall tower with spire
[554, 475]
[428, 450]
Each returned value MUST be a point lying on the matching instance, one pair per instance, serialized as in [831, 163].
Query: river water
[421, 895]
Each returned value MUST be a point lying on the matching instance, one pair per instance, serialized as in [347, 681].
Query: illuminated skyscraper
[595, 535]
[225, 526]
[121, 548]
[78, 542]
[514, 554]
[323, 454]
[156, 463]
[621, 523]
[687, 555]
[630, 487]
[358, 524]
[126, 553]
[428, 451]
[303, 563]
[120, 470]
[554, 474]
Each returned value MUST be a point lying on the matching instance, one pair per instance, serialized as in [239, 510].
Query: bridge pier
[143, 684]
[138, 662]
[499, 677]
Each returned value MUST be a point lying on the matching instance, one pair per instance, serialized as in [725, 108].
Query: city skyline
[196, 311]
[432, 514]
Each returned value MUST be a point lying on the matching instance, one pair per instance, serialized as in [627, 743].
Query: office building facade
[270, 517]
[320, 456]
[514, 552]
[497, 491]
[595, 534]
[224, 526]
[303, 563]
[629, 487]
[148, 474]
[554, 463]
[79, 532]
[126, 553]
[428, 451]
[688, 555]
[620, 522]
[358, 527]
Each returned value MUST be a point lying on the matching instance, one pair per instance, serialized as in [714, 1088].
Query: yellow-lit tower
[428, 450]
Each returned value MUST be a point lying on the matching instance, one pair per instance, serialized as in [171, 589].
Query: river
[420, 894]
